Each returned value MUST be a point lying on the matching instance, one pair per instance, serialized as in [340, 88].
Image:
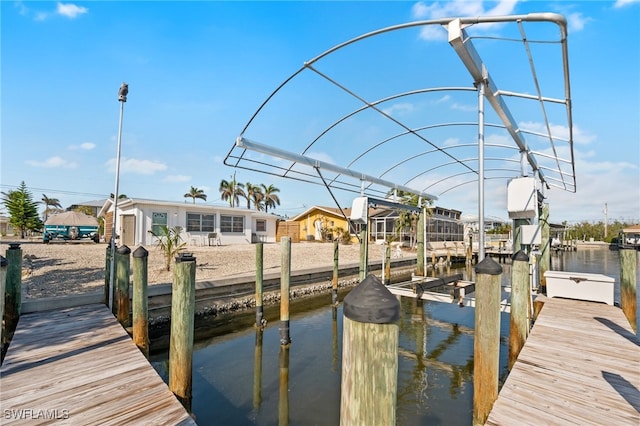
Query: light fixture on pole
[122, 98]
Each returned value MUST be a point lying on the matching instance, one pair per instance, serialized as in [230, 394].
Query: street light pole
[122, 98]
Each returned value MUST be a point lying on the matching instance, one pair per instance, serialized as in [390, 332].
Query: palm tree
[258, 200]
[232, 191]
[270, 197]
[196, 193]
[252, 193]
[50, 204]
[169, 242]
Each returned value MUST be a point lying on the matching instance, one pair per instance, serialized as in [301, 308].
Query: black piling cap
[123, 250]
[140, 252]
[3, 261]
[14, 246]
[488, 266]
[520, 256]
[371, 302]
[185, 257]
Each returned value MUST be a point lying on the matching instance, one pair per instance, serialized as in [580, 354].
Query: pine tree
[23, 211]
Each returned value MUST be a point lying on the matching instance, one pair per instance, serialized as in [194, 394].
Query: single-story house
[322, 223]
[201, 224]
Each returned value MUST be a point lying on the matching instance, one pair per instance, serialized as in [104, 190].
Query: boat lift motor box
[360, 210]
[580, 286]
[522, 198]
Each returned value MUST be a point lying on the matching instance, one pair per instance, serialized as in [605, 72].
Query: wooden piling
[369, 355]
[545, 248]
[182, 319]
[628, 286]
[420, 266]
[283, 402]
[364, 253]
[285, 282]
[13, 289]
[260, 321]
[140, 300]
[517, 233]
[123, 265]
[107, 272]
[257, 370]
[519, 317]
[3, 286]
[336, 271]
[469, 253]
[387, 265]
[486, 348]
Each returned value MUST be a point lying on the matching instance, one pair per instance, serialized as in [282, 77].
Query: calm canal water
[244, 377]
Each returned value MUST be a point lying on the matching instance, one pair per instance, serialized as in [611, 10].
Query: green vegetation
[262, 196]
[169, 242]
[196, 193]
[585, 230]
[23, 211]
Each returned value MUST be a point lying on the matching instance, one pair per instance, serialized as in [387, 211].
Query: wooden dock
[580, 366]
[79, 366]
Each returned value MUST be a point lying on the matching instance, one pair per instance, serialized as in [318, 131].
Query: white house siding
[177, 216]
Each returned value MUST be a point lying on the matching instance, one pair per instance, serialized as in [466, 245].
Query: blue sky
[197, 71]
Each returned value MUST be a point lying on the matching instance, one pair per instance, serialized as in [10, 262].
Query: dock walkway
[79, 366]
[580, 365]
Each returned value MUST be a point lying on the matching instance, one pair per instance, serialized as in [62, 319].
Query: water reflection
[300, 385]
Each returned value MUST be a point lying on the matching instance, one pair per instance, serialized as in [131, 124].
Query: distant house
[322, 223]
[94, 205]
[5, 227]
[201, 224]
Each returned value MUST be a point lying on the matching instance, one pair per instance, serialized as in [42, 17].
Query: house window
[199, 222]
[232, 224]
[261, 225]
[158, 220]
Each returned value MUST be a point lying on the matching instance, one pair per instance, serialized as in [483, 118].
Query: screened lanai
[446, 108]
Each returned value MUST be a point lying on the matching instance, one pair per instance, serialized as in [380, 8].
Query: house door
[128, 230]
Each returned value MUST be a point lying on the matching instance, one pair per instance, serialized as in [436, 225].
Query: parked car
[71, 226]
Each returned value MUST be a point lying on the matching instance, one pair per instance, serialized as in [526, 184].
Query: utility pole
[606, 219]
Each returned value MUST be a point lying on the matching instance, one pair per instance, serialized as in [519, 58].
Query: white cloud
[70, 10]
[53, 162]
[176, 178]
[576, 21]
[133, 165]
[623, 3]
[87, 146]
[321, 156]
[399, 109]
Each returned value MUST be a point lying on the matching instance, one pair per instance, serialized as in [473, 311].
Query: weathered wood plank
[580, 365]
[80, 365]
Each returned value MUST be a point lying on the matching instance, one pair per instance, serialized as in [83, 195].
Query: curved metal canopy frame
[398, 160]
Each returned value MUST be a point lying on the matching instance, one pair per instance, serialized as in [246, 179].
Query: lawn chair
[214, 239]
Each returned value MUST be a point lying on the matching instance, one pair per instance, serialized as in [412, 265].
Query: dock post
[517, 233]
[123, 265]
[13, 288]
[182, 320]
[364, 253]
[545, 248]
[140, 300]
[107, 269]
[628, 286]
[387, 265]
[3, 281]
[486, 347]
[285, 281]
[369, 355]
[336, 271]
[260, 321]
[283, 402]
[257, 370]
[420, 266]
[518, 320]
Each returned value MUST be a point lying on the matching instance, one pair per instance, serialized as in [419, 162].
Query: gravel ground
[59, 269]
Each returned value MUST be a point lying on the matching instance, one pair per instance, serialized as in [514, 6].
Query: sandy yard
[59, 269]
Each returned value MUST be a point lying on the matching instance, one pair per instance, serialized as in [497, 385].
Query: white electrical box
[531, 235]
[522, 198]
[359, 210]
